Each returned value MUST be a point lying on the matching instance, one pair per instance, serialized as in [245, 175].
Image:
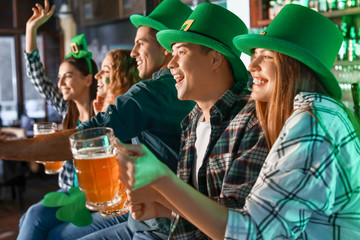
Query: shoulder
[162, 79]
[318, 109]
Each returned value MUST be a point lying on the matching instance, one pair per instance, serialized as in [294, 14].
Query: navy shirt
[149, 113]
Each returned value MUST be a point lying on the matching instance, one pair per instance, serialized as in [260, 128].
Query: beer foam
[93, 153]
[43, 131]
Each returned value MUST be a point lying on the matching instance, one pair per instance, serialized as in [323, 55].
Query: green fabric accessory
[305, 35]
[212, 26]
[71, 206]
[79, 50]
[147, 167]
[169, 14]
[107, 80]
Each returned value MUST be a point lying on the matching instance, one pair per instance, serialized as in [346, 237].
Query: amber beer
[120, 208]
[41, 128]
[95, 163]
[98, 177]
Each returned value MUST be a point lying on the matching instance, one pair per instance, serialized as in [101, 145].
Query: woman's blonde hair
[123, 73]
[291, 78]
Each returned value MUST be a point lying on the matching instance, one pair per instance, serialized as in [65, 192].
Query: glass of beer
[118, 209]
[41, 128]
[95, 162]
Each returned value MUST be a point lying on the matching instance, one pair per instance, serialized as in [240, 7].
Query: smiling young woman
[118, 73]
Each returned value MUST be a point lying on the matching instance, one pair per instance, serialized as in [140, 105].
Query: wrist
[165, 182]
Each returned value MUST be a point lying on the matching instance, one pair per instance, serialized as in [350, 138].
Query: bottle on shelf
[341, 4]
[357, 45]
[272, 9]
[355, 91]
[351, 55]
[323, 6]
[314, 4]
[344, 46]
[332, 5]
[350, 3]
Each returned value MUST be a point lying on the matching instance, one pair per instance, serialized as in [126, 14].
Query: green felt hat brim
[246, 44]
[139, 20]
[168, 37]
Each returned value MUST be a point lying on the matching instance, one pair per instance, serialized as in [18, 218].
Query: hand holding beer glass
[41, 128]
[95, 162]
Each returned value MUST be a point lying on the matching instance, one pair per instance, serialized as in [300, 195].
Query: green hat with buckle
[79, 50]
[305, 35]
[169, 14]
[212, 26]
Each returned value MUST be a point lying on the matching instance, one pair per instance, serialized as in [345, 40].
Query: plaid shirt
[233, 159]
[309, 187]
[51, 93]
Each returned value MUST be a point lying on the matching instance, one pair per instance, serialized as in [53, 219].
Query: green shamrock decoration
[71, 206]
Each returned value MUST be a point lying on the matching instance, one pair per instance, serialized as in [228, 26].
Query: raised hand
[40, 15]
[98, 104]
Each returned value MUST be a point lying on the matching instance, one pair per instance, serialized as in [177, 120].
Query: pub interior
[107, 26]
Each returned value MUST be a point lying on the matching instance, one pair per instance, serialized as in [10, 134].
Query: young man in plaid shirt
[223, 147]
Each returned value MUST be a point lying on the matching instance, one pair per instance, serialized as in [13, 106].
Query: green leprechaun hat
[305, 35]
[169, 14]
[212, 26]
[79, 50]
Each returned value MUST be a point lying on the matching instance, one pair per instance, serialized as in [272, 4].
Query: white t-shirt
[203, 131]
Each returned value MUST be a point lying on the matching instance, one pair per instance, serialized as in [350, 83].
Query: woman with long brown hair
[72, 98]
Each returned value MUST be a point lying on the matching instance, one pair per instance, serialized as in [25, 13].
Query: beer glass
[118, 209]
[41, 128]
[95, 162]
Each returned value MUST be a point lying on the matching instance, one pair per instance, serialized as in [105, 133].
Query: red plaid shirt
[233, 159]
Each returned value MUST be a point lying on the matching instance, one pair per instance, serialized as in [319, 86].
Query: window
[33, 102]
[8, 83]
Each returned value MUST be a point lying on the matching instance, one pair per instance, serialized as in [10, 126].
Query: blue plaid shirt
[52, 94]
[309, 186]
[236, 151]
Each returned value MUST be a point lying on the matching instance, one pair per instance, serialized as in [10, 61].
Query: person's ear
[166, 52]
[216, 59]
[89, 79]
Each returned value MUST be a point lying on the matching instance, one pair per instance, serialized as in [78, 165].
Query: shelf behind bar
[340, 13]
[346, 63]
[330, 14]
